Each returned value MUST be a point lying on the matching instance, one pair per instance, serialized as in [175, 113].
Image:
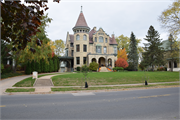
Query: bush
[118, 68]
[78, 68]
[7, 69]
[93, 66]
[121, 63]
[28, 68]
[161, 69]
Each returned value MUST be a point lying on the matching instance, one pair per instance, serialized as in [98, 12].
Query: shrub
[28, 68]
[121, 63]
[118, 68]
[93, 66]
[7, 69]
[78, 68]
[161, 69]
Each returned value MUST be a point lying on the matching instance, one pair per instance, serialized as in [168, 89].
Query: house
[176, 62]
[86, 45]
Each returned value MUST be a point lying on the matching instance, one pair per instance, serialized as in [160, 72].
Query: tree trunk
[152, 67]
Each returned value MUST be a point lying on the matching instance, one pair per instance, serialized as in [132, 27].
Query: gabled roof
[81, 22]
[91, 35]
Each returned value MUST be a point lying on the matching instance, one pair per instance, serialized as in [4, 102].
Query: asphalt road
[137, 104]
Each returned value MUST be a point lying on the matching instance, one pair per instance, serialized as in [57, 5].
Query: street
[160, 103]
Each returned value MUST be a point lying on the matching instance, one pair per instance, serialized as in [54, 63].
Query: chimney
[112, 35]
[94, 28]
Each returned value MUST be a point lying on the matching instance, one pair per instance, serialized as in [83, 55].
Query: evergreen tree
[41, 64]
[153, 54]
[55, 64]
[133, 54]
[38, 67]
[28, 68]
[58, 63]
[51, 65]
[32, 66]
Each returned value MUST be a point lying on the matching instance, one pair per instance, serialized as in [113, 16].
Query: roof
[71, 38]
[112, 41]
[91, 35]
[165, 45]
[81, 21]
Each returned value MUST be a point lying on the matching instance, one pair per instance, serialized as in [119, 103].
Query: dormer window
[95, 39]
[77, 37]
[84, 37]
[101, 39]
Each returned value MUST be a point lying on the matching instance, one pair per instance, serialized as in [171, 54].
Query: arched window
[84, 37]
[101, 39]
[77, 37]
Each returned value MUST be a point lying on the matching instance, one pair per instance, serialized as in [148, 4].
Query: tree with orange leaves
[121, 63]
[122, 54]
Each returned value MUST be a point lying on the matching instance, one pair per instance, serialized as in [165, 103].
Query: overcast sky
[118, 16]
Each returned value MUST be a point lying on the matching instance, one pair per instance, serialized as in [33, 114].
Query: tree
[20, 21]
[120, 62]
[169, 18]
[59, 44]
[93, 66]
[133, 55]
[172, 50]
[122, 54]
[124, 41]
[28, 68]
[153, 54]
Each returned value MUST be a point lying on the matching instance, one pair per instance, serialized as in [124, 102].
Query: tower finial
[81, 8]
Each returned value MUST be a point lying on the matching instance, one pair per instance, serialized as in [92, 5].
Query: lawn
[114, 78]
[108, 88]
[28, 82]
[20, 90]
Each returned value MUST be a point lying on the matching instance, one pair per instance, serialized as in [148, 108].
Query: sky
[114, 16]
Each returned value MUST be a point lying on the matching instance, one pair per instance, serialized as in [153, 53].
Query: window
[84, 48]
[115, 50]
[71, 45]
[77, 37]
[98, 49]
[77, 48]
[105, 50]
[84, 37]
[84, 60]
[106, 40]
[95, 39]
[77, 60]
[72, 52]
[101, 39]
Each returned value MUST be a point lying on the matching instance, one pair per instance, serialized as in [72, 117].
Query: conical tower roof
[81, 22]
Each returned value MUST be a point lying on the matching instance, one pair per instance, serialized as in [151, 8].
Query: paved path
[9, 82]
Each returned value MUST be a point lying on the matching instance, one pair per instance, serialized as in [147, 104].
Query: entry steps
[104, 69]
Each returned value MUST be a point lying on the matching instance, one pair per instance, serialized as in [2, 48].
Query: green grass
[20, 90]
[114, 78]
[108, 88]
[28, 82]
[7, 75]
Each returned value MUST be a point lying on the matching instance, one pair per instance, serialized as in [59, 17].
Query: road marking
[83, 94]
[3, 106]
[154, 96]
